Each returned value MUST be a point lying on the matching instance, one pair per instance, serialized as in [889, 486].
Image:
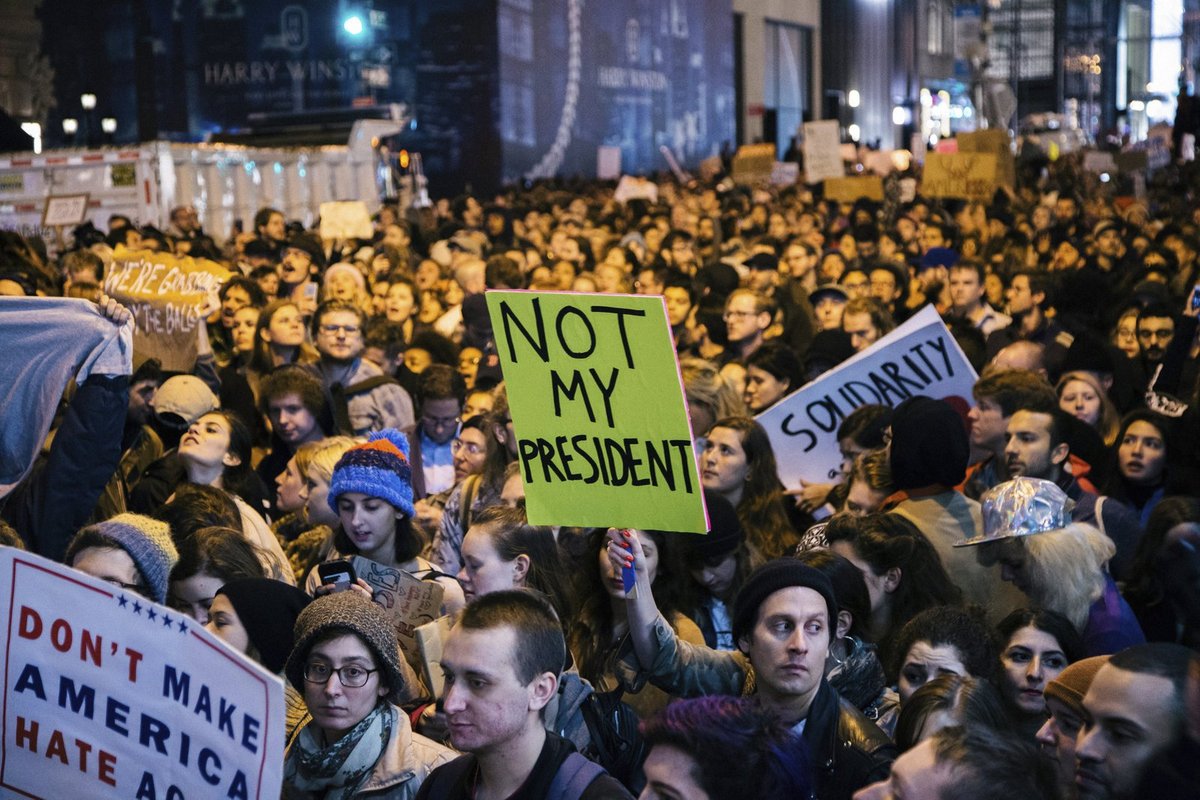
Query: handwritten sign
[847, 190]
[998, 143]
[346, 219]
[108, 695]
[409, 601]
[169, 298]
[918, 358]
[603, 436]
[753, 163]
[971, 176]
[64, 209]
[822, 151]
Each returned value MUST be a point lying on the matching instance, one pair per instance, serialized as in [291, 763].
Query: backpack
[574, 775]
[339, 395]
[616, 743]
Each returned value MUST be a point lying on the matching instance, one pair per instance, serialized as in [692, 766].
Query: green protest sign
[598, 410]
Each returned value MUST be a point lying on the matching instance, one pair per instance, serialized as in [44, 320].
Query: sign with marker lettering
[603, 436]
[169, 297]
[106, 694]
[918, 358]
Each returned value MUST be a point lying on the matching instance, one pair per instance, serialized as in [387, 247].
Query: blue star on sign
[137, 607]
[151, 613]
[182, 626]
[167, 621]
[122, 601]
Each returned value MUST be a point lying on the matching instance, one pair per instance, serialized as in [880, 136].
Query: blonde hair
[1066, 569]
[704, 386]
[1109, 424]
[324, 457]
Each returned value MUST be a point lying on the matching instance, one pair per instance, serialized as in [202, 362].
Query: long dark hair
[512, 536]
[761, 509]
[591, 629]
[407, 544]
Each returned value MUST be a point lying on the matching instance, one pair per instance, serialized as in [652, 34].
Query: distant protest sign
[970, 176]
[346, 219]
[918, 358]
[109, 695]
[848, 190]
[753, 163]
[998, 143]
[169, 298]
[822, 151]
[603, 436]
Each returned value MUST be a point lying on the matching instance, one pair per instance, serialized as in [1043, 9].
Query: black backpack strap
[339, 409]
[443, 779]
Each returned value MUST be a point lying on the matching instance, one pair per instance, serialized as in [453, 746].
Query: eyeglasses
[1151, 334]
[351, 676]
[471, 447]
[135, 588]
[728, 315]
[441, 422]
[349, 330]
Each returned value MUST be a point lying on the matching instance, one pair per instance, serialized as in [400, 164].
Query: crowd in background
[1003, 602]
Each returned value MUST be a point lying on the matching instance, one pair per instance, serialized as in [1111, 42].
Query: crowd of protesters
[1000, 603]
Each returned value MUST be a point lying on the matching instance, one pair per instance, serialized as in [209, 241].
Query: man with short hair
[440, 393]
[998, 395]
[783, 620]
[1155, 330]
[865, 321]
[502, 663]
[1029, 298]
[361, 397]
[1133, 711]
[1036, 446]
[293, 399]
[974, 762]
[300, 258]
[967, 298]
[747, 316]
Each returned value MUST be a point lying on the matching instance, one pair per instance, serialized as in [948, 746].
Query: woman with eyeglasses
[348, 667]
[481, 457]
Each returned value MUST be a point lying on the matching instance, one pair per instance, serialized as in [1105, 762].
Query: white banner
[918, 358]
[822, 151]
[106, 694]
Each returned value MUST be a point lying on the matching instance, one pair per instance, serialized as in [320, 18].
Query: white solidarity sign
[918, 358]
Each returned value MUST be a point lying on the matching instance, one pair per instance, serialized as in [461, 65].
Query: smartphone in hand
[338, 573]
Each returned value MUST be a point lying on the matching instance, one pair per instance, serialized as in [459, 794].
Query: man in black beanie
[782, 623]
[928, 453]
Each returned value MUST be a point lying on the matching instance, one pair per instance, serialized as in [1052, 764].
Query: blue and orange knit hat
[378, 468]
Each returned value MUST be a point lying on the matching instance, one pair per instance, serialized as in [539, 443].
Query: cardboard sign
[65, 209]
[971, 176]
[753, 163]
[822, 151]
[346, 219]
[847, 190]
[1099, 161]
[918, 358]
[603, 436]
[169, 298]
[998, 143]
[109, 695]
[409, 601]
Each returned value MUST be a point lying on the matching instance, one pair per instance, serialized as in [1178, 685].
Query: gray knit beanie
[349, 612]
[148, 542]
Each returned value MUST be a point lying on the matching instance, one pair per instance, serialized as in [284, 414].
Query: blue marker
[628, 575]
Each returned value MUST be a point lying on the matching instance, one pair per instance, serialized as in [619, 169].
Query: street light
[70, 126]
[87, 100]
[109, 124]
[353, 25]
[853, 98]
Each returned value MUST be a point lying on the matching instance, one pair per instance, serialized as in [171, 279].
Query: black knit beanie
[267, 609]
[929, 444]
[781, 573]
